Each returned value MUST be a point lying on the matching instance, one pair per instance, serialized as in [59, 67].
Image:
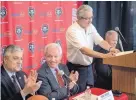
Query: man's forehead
[15, 54]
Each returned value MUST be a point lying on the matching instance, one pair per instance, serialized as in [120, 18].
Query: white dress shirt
[76, 39]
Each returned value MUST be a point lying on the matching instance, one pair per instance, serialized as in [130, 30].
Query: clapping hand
[74, 77]
[30, 83]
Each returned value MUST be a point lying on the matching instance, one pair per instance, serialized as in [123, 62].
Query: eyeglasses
[87, 18]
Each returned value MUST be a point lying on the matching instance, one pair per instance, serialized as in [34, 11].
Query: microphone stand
[68, 91]
[120, 44]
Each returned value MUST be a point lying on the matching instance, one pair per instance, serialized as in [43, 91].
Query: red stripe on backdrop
[32, 25]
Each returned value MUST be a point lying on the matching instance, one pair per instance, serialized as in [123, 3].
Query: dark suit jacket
[50, 87]
[104, 73]
[8, 91]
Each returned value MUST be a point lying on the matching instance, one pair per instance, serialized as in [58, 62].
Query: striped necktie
[15, 83]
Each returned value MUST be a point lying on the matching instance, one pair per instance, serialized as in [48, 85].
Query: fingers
[108, 55]
[76, 72]
[72, 72]
[37, 86]
[76, 75]
[39, 83]
[114, 50]
[33, 75]
[113, 54]
[25, 78]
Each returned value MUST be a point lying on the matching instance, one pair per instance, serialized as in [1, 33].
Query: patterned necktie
[59, 78]
[15, 83]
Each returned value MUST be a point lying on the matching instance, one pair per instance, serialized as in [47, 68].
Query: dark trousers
[85, 75]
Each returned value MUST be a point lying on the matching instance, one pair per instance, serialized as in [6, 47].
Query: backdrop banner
[32, 25]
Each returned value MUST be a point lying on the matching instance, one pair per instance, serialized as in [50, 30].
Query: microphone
[118, 30]
[61, 72]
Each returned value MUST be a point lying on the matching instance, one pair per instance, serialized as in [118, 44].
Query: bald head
[111, 37]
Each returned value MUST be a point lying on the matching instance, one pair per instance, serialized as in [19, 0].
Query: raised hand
[32, 76]
[74, 76]
[30, 84]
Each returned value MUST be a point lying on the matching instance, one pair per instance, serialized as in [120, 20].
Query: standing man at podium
[104, 71]
[81, 37]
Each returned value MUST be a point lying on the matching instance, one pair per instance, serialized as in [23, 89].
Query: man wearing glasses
[81, 37]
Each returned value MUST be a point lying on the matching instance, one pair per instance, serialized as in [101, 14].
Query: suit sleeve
[46, 89]
[17, 96]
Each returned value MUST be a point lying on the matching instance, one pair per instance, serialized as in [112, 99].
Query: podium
[123, 73]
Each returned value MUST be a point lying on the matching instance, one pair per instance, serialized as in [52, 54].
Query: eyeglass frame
[86, 18]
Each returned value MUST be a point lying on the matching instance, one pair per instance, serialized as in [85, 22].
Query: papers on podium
[105, 96]
[83, 97]
[124, 53]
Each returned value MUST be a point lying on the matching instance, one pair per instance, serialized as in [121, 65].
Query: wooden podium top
[127, 60]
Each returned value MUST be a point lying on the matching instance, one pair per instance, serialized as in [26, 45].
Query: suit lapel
[20, 79]
[7, 79]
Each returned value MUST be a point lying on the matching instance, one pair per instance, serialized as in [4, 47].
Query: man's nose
[20, 61]
[53, 59]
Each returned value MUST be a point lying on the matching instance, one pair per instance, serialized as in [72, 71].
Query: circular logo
[19, 31]
[3, 12]
[45, 28]
[42, 60]
[3, 49]
[31, 11]
[58, 42]
[58, 11]
[31, 47]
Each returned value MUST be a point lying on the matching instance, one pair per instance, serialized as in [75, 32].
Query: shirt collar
[53, 69]
[9, 73]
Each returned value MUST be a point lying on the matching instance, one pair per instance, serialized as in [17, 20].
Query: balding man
[103, 71]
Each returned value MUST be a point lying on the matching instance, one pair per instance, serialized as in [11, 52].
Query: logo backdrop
[32, 25]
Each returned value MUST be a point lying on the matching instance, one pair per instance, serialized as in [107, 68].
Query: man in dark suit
[104, 71]
[14, 84]
[51, 85]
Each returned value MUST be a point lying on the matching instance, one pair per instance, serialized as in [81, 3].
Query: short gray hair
[52, 45]
[11, 48]
[81, 10]
[110, 32]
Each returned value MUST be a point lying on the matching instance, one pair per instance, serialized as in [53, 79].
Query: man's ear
[5, 58]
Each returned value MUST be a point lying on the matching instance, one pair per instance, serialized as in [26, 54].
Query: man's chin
[18, 69]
